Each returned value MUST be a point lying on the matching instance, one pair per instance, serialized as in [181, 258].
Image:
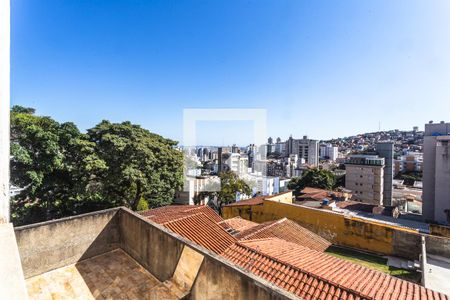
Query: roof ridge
[189, 216]
[303, 270]
[272, 223]
[224, 220]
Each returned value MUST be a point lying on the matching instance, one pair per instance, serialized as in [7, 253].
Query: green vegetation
[230, 183]
[374, 262]
[409, 177]
[142, 205]
[316, 178]
[65, 172]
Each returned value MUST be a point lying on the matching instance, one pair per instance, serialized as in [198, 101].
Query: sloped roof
[284, 275]
[168, 213]
[252, 201]
[201, 229]
[238, 224]
[312, 274]
[287, 230]
[318, 194]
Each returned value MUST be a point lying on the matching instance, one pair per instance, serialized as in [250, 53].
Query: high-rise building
[386, 150]
[305, 148]
[219, 159]
[364, 177]
[436, 173]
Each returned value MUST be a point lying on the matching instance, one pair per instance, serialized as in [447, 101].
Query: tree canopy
[139, 164]
[315, 177]
[230, 183]
[63, 172]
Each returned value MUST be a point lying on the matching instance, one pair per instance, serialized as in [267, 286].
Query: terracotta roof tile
[170, 212]
[328, 276]
[287, 230]
[286, 276]
[202, 230]
[238, 224]
[319, 194]
[251, 201]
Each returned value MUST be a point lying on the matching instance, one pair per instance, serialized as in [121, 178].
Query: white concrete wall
[4, 109]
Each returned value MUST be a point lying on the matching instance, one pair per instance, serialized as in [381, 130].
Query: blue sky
[322, 68]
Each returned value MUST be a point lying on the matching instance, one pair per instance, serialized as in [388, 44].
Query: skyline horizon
[337, 66]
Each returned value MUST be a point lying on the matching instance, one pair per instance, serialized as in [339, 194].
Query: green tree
[139, 164]
[64, 172]
[142, 205]
[53, 163]
[230, 184]
[315, 178]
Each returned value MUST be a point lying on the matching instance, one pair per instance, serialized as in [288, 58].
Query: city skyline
[321, 69]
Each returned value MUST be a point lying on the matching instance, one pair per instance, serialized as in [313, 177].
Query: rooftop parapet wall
[159, 251]
[50, 245]
[343, 230]
[54, 244]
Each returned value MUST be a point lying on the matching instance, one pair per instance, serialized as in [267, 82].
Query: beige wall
[285, 197]
[4, 109]
[365, 182]
[160, 252]
[54, 244]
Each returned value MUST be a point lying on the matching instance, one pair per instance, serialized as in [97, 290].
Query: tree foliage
[139, 164]
[315, 178]
[65, 172]
[230, 184]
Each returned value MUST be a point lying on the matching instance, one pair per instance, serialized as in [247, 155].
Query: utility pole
[4, 109]
[423, 261]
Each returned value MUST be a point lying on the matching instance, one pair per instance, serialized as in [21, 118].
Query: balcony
[117, 254]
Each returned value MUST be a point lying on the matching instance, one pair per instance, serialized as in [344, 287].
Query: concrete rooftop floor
[113, 275]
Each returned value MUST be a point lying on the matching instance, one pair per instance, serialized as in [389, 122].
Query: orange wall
[341, 230]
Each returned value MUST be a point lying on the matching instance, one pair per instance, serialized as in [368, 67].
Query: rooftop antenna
[379, 125]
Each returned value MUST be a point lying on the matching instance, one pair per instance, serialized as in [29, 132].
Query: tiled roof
[252, 201]
[284, 275]
[168, 213]
[287, 230]
[202, 230]
[238, 224]
[311, 274]
[318, 194]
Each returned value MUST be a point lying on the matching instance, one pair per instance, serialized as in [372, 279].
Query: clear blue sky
[322, 68]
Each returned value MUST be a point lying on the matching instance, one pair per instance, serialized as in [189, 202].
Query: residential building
[436, 173]
[365, 177]
[410, 162]
[243, 164]
[232, 161]
[275, 168]
[329, 152]
[305, 148]
[292, 164]
[193, 186]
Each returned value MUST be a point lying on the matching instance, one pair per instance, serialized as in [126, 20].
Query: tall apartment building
[436, 173]
[329, 152]
[364, 177]
[305, 148]
[386, 151]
